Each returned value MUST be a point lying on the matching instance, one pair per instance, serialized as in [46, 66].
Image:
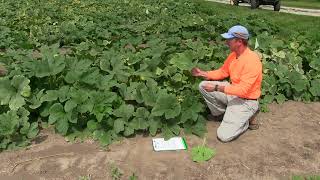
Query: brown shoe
[253, 121]
[211, 117]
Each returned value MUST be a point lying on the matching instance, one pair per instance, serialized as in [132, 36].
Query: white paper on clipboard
[175, 143]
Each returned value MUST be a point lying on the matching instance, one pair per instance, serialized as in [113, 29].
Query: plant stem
[204, 140]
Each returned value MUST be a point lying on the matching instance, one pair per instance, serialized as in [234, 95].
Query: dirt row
[287, 144]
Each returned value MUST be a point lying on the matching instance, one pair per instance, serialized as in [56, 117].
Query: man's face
[233, 43]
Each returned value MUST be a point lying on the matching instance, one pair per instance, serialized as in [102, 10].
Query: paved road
[285, 9]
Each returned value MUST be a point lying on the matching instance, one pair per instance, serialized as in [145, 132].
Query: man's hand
[213, 87]
[198, 72]
[209, 87]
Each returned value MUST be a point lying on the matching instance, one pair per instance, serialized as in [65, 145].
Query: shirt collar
[246, 51]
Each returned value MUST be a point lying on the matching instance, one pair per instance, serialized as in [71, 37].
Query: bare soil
[287, 144]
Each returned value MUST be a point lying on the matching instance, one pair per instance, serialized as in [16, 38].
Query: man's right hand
[198, 72]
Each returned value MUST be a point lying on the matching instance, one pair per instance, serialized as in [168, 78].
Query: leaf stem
[204, 140]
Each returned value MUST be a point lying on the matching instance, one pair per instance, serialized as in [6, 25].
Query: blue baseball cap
[236, 32]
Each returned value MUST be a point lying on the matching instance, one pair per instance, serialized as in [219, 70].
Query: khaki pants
[237, 111]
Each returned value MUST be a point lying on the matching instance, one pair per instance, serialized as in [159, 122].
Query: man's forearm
[204, 74]
[216, 74]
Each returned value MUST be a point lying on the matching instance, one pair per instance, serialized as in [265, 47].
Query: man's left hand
[209, 87]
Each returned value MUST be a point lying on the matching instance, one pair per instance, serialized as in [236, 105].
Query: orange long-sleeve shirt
[245, 73]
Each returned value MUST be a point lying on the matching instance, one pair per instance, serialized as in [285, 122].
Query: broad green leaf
[77, 69]
[287, 89]
[300, 85]
[78, 135]
[23, 114]
[86, 106]
[188, 126]
[315, 87]
[141, 112]
[119, 125]
[155, 124]
[167, 105]
[57, 113]
[315, 64]
[183, 61]
[280, 54]
[124, 111]
[91, 76]
[135, 58]
[62, 126]
[130, 92]
[106, 82]
[268, 98]
[64, 93]
[6, 91]
[104, 137]
[177, 77]
[33, 130]
[306, 96]
[22, 85]
[105, 64]
[139, 97]
[70, 105]
[128, 131]
[105, 59]
[101, 111]
[276, 43]
[51, 95]
[170, 71]
[45, 109]
[170, 130]
[93, 52]
[139, 123]
[72, 76]
[281, 71]
[149, 93]
[145, 74]
[159, 71]
[92, 125]
[79, 95]
[280, 98]
[25, 127]
[149, 96]
[72, 117]
[202, 153]
[117, 69]
[36, 100]
[190, 108]
[50, 64]
[16, 102]
[199, 127]
[9, 123]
